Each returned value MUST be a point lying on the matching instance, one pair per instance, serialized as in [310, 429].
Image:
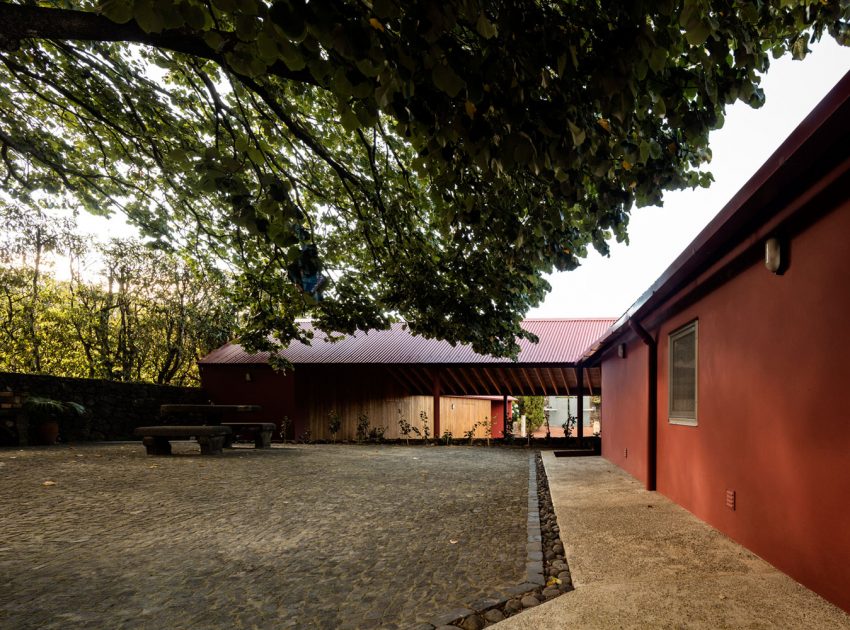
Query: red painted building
[725, 383]
[391, 374]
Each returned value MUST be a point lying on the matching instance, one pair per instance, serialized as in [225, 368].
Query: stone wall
[113, 409]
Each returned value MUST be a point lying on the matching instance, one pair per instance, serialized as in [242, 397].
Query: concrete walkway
[640, 561]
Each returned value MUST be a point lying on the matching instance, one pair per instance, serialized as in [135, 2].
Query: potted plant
[45, 414]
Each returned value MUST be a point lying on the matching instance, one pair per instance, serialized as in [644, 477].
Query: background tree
[356, 159]
[30, 236]
[534, 410]
[146, 316]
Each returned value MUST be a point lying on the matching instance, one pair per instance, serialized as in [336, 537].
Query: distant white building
[562, 406]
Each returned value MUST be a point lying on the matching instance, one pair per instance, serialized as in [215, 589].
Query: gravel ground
[292, 537]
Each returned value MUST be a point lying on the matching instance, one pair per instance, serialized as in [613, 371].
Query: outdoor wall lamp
[775, 256]
[247, 377]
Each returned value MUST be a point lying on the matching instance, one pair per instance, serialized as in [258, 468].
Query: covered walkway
[640, 561]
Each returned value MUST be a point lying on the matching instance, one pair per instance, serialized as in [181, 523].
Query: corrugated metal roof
[561, 341]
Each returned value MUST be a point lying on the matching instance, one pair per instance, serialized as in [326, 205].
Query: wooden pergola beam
[448, 372]
[527, 385]
[496, 389]
[563, 373]
[538, 372]
[423, 381]
[476, 376]
[514, 378]
[555, 387]
[398, 374]
[468, 375]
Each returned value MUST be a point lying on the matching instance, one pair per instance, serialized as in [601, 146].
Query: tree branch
[19, 22]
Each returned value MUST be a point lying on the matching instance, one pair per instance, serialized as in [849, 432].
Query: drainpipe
[652, 402]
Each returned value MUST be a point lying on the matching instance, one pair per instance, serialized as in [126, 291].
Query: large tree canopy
[432, 160]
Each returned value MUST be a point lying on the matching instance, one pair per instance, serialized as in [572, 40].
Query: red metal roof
[561, 341]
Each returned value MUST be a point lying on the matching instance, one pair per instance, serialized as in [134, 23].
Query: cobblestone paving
[292, 537]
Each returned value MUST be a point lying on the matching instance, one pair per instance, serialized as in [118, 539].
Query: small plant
[362, 428]
[569, 424]
[376, 434]
[488, 429]
[285, 423]
[508, 431]
[40, 407]
[426, 431]
[305, 437]
[404, 427]
[484, 424]
[47, 413]
[447, 437]
[334, 423]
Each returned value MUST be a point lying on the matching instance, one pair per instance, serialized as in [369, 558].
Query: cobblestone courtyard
[296, 536]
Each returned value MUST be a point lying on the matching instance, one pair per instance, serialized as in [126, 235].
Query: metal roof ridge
[569, 319]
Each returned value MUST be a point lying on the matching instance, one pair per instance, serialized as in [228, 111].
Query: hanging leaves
[440, 157]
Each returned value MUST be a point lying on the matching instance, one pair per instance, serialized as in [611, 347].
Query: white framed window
[682, 373]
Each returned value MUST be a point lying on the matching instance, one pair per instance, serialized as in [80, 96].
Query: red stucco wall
[497, 417]
[773, 419]
[273, 391]
[623, 414]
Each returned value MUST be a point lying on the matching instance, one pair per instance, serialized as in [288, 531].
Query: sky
[607, 287]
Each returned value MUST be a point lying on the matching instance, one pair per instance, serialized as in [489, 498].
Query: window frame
[677, 417]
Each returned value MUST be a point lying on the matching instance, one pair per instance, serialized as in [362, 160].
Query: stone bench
[261, 431]
[156, 439]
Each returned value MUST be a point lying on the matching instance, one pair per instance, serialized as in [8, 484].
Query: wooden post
[580, 405]
[436, 394]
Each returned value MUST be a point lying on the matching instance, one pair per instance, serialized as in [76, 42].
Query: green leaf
[267, 46]
[290, 19]
[214, 40]
[247, 27]
[697, 33]
[368, 68]
[349, 120]
[577, 133]
[384, 93]
[294, 60]
[657, 59]
[644, 151]
[447, 80]
[386, 9]
[485, 27]
[225, 6]
[119, 11]
[248, 7]
[195, 17]
[148, 17]
[800, 47]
